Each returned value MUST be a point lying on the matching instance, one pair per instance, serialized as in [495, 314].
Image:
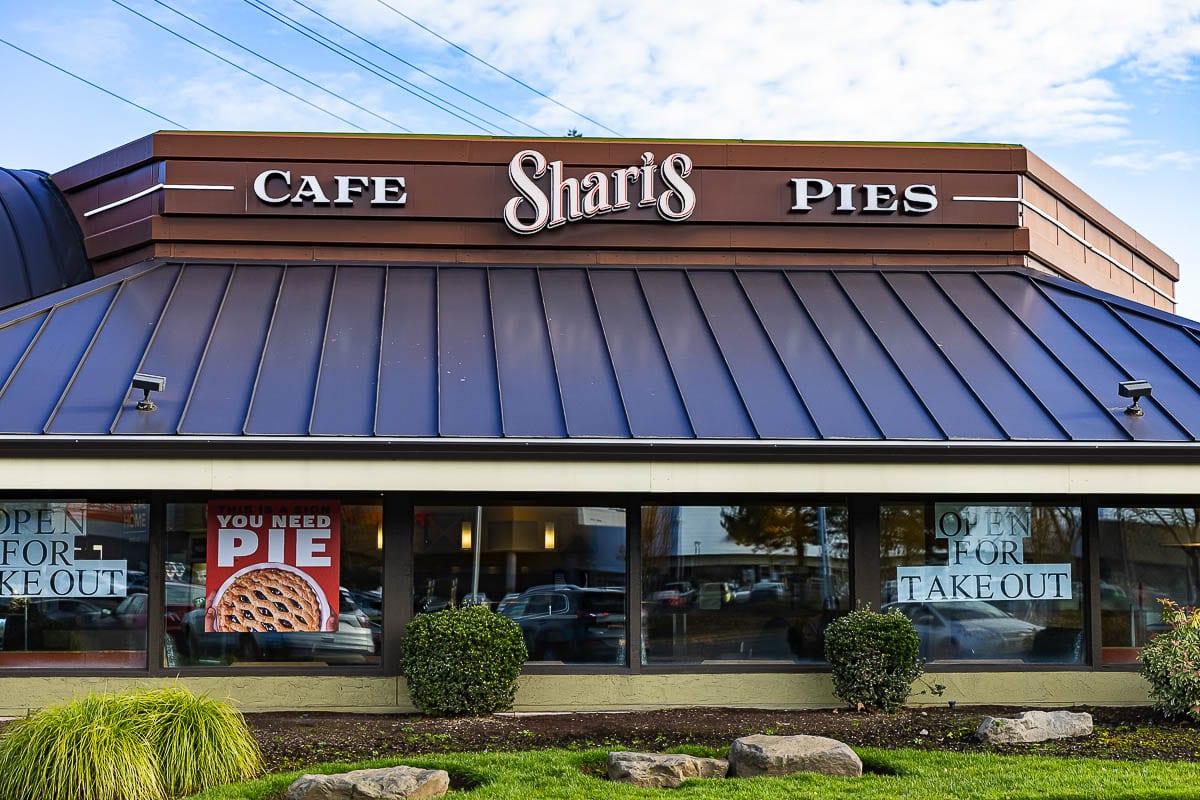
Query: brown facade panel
[498, 150]
[456, 188]
[1072, 195]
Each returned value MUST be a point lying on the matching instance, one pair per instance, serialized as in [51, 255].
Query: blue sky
[1106, 92]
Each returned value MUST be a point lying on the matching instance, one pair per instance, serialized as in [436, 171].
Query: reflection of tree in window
[902, 530]
[1181, 526]
[1054, 531]
[786, 529]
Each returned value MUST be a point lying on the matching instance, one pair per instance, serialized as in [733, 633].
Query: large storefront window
[273, 581]
[742, 583]
[558, 572]
[73, 584]
[1145, 554]
[987, 581]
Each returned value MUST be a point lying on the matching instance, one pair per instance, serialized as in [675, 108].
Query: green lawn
[893, 775]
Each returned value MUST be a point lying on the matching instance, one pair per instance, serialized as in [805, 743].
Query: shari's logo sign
[596, 193]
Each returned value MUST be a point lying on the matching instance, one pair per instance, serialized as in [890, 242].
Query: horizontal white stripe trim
[1074, 236]
[595, 477]
[156, 187]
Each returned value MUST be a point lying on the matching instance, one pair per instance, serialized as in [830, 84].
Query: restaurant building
[671, 406]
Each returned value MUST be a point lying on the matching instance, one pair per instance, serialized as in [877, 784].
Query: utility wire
[370, 66]
[280, 66]
[491, 66]
[413, 66]
[239, 67]
[93, 85]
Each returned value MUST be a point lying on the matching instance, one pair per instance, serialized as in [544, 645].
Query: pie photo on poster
[270, 598]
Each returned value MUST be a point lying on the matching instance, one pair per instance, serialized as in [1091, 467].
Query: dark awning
[41, 246]
[654, 353]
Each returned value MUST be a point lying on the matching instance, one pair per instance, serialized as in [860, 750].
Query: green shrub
[89, 749]
[199, 742]
[874, 658]
[463, 661]
[1171, 663]
[146, 745]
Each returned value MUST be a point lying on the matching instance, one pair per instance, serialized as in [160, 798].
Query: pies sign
[273, 566]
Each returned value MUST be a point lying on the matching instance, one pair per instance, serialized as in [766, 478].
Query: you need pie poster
[273, 566]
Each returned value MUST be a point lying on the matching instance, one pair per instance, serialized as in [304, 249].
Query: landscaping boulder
[662, 770]
[751, 756]
[388, 783]
[1034, 726]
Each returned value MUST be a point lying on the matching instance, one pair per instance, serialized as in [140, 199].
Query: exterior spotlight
[148, 384]
[1135, 390]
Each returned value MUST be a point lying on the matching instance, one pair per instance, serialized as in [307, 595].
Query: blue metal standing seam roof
[612, 353]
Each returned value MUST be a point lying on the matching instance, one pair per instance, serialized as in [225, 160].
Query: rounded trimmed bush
[1171, 663]
[463, 661]
[141, 745]
[874, 658]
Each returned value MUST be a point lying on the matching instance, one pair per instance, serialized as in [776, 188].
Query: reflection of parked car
[571, 623]
[767, 590]
[675, 593]
[714, 595]
[968, 630]
[352, 641]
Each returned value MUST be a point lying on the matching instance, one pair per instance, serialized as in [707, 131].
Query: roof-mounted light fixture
[148, 384]
[1135, 390]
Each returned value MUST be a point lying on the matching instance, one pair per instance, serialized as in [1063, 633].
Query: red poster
[273, 566]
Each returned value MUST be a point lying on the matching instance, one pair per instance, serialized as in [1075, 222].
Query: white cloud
[1147, 161]
[1026, 70]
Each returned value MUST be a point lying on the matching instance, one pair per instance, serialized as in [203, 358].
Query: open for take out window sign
[273, 566]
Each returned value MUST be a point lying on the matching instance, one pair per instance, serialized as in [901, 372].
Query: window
[987, 581]
[558, 572]
[742, 583]
[1145, 554]
[270, 598]
[73, 584]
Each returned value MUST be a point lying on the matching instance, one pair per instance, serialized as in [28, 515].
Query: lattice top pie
[268, 600]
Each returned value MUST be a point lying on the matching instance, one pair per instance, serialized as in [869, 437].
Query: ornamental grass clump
[463, 661]
[142, 745]
[1171, 663]
[199, 742]
[874, 658]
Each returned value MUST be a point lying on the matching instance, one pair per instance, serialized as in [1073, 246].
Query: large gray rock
[662, 770]
[751, 756]
[388, 783]
[1034, 726]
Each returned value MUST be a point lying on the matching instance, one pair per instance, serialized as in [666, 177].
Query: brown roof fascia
[1058, 184]
[499, 151]
[120, 159]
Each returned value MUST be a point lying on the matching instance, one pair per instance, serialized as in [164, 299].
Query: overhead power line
[492, 66]
[93, 85]
[371, 66]
[296, 75]
[239, 67]
[413, 66]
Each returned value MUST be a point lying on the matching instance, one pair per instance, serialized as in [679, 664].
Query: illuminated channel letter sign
[573, 199]
[277, 187]
[867, 198]
[986, 554]
[39, 557]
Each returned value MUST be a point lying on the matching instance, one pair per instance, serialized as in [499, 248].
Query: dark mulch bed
[292, 740]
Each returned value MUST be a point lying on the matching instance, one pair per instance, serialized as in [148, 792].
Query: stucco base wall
[599, 692]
